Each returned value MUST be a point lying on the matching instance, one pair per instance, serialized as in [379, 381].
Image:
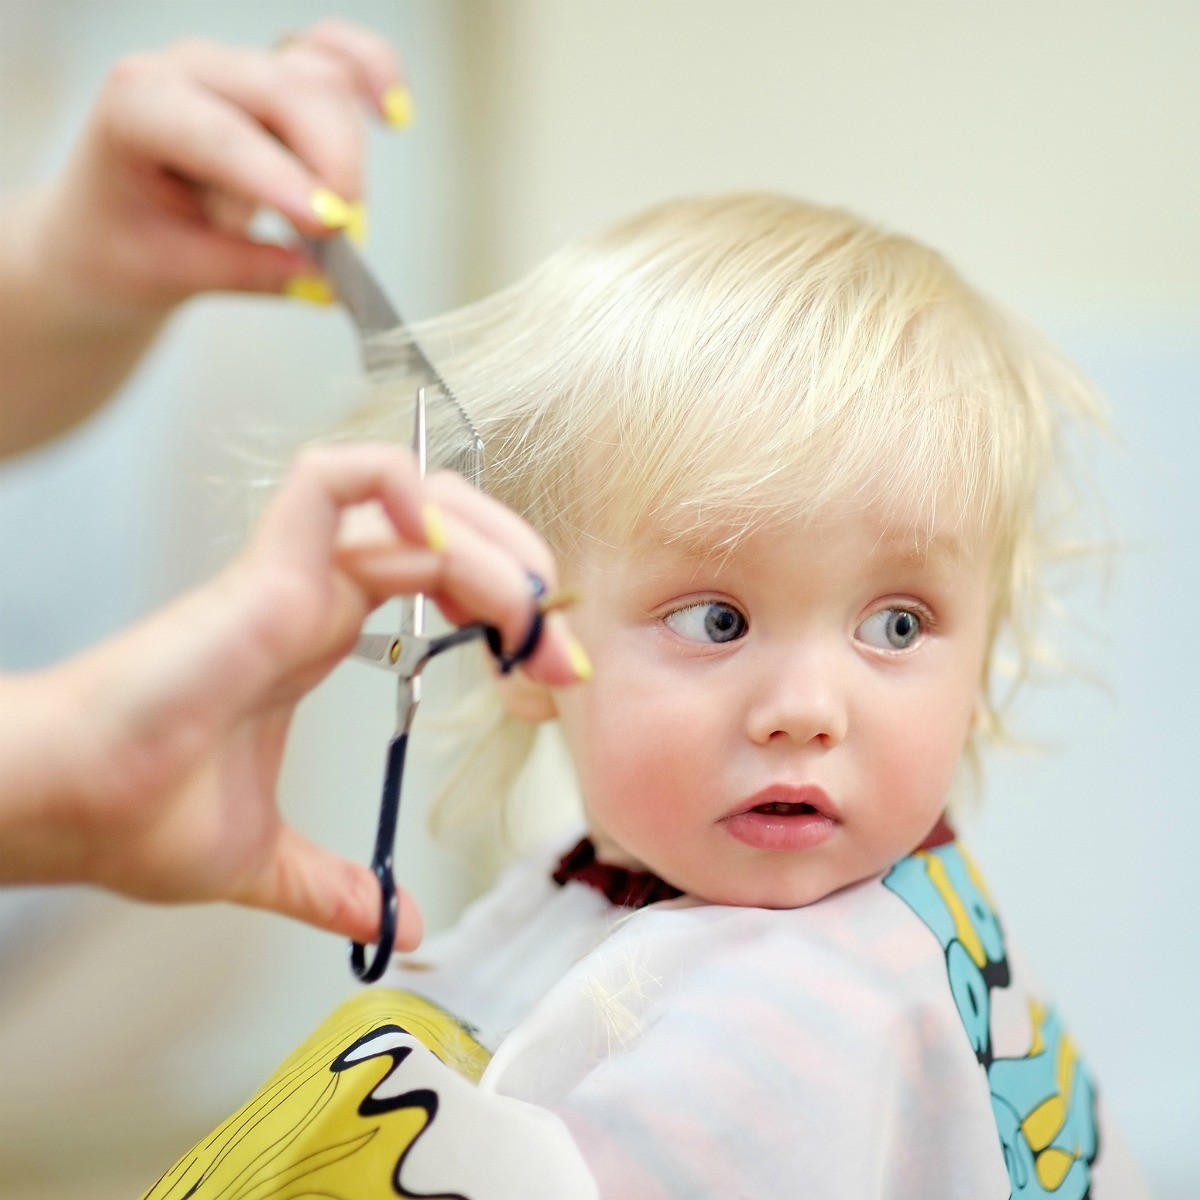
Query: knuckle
[131, 70]
[388, 455]
[540, 561]
[212, 133]
[313, 462]
[318, 69]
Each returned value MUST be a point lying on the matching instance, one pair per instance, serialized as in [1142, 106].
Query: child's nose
[798, 697]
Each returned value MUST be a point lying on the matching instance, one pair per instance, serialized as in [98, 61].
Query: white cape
[876, 1044]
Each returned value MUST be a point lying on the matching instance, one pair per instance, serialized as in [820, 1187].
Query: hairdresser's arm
[180, 149]
[149, 765]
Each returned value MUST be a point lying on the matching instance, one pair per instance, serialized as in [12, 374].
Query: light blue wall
[1090, 845]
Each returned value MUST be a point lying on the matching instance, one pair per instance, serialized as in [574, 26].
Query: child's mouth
[787, 818]
[777, 809]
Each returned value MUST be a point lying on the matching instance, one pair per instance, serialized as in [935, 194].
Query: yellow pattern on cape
[302, 1135]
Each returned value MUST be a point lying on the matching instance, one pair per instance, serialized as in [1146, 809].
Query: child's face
[771, 724]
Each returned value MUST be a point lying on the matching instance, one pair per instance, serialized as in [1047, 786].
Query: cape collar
[624, 887]
[635, 889]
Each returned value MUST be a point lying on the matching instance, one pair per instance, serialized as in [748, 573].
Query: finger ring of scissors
[506, 662]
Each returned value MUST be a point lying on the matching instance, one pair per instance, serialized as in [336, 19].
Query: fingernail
[435, 528]
[580, 663]
[398, 106]
[356, 226]
[314, 289]
[563, 598]
[330, 209]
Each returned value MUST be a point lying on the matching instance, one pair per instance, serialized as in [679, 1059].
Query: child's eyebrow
[917, 546]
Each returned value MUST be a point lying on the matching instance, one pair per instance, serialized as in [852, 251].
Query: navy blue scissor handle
[382, 860]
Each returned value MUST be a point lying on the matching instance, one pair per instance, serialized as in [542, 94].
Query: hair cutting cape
[553, 1045]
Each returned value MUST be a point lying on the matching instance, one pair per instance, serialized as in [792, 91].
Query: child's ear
[525, 699]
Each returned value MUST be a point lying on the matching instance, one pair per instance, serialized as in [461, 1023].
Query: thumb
[309, 883]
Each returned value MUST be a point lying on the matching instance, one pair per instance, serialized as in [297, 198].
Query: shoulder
[863, 935]
[903, 976]
[524, 894]
[818, 1044]
[859, 965]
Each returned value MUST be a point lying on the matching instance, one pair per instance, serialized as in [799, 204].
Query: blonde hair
[728, 362]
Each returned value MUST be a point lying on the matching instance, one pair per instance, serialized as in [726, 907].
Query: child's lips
[784, 800]
[783, 818]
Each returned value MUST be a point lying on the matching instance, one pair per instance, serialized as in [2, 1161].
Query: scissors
[408, 651]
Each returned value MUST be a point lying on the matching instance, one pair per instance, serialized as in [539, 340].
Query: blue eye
[891, 629]
[711, 622]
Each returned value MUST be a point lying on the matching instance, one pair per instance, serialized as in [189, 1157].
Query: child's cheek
[917, 771]
[639, 753]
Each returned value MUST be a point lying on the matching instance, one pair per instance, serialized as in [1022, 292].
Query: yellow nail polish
[435, 528]
[314, 289]
[398, 106]
[580, 663]
[330, 209]
[356, 226]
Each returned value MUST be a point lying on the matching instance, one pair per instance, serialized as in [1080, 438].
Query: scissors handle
[381, 865]
[408, 660]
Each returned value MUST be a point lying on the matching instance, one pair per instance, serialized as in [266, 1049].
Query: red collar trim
[626, 888]
[939, 835]
[636, 889]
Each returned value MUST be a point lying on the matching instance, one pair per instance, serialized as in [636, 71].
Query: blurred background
[1049, 149]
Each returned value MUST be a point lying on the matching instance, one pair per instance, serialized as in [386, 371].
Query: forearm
[63, 351]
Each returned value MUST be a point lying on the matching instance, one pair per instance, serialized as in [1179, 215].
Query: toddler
[800, 475]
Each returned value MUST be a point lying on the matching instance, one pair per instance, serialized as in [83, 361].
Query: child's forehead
[877, 535]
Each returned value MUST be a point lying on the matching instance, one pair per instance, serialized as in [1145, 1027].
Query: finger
[371, 58]
[171, 122]
[208, 260]
[473, 579]
[311, 99]
[307, 882]
[304, 516]
[224, 211]
[473, 576]
[558, 651]
[494, 520]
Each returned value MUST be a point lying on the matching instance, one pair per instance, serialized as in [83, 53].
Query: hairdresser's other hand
[150, 764]
[184, 144]
[180, 149]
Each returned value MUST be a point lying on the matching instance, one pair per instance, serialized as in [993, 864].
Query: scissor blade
[414, 614]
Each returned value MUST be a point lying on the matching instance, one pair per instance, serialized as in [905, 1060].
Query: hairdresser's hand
[150, 764]
[182, 146]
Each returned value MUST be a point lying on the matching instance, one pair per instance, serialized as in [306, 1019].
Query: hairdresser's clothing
[558, 1044]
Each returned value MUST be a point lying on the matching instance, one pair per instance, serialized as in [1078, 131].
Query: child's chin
[759, 894]
[788, 890]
